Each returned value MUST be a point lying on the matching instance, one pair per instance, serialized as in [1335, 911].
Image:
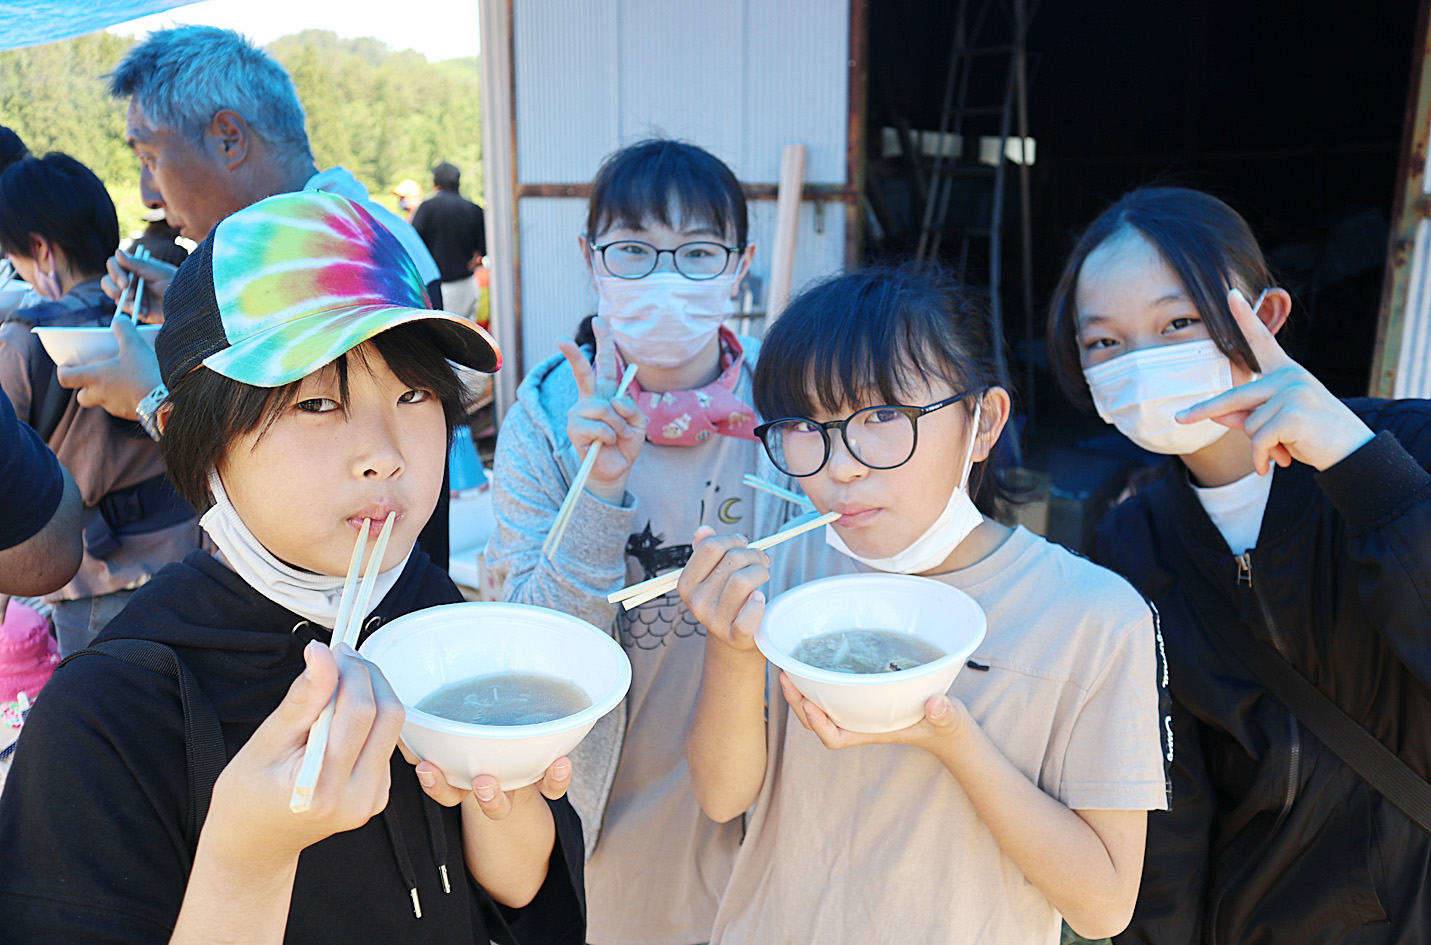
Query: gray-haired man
[217, 126]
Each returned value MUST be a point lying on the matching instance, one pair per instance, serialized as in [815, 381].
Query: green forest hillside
[383, 115]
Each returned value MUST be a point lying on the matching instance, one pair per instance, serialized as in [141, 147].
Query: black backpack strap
[1348, 739]
[1360, 750]
[203, 739]
[48, 400]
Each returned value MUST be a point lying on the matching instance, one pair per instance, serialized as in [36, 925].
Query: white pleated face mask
[1140, 393]
[954, 524]
[665, 320]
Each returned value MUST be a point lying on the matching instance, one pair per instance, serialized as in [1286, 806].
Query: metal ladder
[1012, 112]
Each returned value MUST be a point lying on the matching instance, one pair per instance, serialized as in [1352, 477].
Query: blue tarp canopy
[32, 22]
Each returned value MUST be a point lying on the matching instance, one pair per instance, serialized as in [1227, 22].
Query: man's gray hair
[183, 77]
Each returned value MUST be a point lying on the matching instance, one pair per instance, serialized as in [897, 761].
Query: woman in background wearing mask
[1289, 519]
[666, 245]
[57, 228]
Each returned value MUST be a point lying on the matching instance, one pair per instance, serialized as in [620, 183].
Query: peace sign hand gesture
[1287, 413]
[599, 417]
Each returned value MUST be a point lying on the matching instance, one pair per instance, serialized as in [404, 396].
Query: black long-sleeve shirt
[453, 229]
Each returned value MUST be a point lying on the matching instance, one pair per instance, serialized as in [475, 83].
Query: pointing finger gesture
[1287, 413]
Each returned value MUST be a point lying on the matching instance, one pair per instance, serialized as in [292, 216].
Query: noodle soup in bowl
[506, 658]
[883, 630]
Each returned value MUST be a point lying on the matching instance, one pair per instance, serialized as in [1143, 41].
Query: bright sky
[439, 29]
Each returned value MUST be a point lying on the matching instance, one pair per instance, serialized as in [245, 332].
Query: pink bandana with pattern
[689, 417]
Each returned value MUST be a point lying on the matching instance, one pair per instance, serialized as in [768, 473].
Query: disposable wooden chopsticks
[142, 253]
[638, 594]
[563, 515]
[352, 608]
[755, 482]
[138, 284]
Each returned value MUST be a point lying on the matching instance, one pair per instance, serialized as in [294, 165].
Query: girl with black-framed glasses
[1020, 798]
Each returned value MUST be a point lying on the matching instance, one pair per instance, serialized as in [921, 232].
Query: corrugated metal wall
[741, 78]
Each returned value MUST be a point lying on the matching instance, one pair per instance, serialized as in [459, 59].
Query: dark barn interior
[1292, 112]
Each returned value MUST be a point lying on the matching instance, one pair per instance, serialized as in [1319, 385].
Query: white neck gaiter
[959, 518]
[309, 595]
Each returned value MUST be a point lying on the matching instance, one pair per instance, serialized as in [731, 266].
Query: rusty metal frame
[518, 356]
[855, 136]
[1412, 206]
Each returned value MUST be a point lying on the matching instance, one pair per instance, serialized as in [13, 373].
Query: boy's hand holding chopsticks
[250, 823]
[352, 611]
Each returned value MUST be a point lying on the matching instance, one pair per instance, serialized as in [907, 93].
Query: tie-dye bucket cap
[290, 284]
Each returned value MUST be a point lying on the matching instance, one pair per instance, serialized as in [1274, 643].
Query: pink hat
[27, 652]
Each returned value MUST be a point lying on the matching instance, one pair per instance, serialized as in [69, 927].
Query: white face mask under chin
[48, 284]
[664, 320]
[312, 596]
[954, 524]
[1141, 391]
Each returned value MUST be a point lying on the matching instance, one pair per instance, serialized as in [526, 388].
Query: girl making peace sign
[666, 247]
[1298, 520]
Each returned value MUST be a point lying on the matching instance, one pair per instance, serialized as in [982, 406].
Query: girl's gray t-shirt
[658, 872]
[879, 843]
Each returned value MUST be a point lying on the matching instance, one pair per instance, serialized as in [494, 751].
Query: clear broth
[866, 651]
[506, 699]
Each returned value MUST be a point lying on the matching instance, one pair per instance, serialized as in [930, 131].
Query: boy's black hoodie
[92, 821]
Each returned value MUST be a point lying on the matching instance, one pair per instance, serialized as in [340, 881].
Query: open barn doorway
[1293, 112]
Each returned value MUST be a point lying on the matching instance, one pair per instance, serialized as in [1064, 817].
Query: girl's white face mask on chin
[955, 523]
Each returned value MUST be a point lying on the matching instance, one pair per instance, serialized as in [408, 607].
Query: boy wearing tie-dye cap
[309, 391]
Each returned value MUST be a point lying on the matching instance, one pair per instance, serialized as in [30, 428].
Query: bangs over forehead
[869, 337]
[667, 182]
[211, 412]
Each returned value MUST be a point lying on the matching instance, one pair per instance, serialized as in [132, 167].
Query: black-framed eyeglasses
[636, 259]
[881, 437]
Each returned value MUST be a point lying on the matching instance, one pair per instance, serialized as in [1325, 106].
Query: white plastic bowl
[68, 346]
[876, 702]
[425, 650]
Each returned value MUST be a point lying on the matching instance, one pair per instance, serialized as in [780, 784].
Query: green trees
[386, 115]
[53, 97]
[383, 115]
